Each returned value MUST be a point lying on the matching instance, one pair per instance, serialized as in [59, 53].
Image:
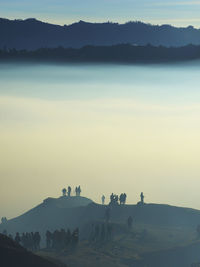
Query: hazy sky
[177, 12]
[108, 128]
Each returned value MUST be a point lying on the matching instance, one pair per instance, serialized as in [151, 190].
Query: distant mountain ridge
[33, 34]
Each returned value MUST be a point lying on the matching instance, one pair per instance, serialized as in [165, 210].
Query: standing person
[130, 222]
[103, 199]
[107, 215]
[69, 191]
[64, 191]
[76, 191]
[79, 191]
[121, 199]
[142, 198]
[124, 198]
[17, 238]
[48, 239]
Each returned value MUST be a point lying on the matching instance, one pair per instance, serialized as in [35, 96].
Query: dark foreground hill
[12, 254]
[33, 34]
[104, 54]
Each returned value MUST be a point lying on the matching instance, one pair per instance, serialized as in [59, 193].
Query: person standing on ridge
[103, 200]
[69, 191]
[142, 198]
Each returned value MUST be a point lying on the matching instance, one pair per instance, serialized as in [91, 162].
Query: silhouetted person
[79, 191]
[103, 199]
[130, 222]
[96, 232]
[109, 231]
[103, 232]
[17, 238]
[5, 232]
[75, 237]
[68, 238]
[36, 240]
[114, 199]
[111, 198]
[124, 198]
[76, 191]
[142, 198]
[64, 191]
[48, 239]
[4, 220]
[69, 191]
[107, 214]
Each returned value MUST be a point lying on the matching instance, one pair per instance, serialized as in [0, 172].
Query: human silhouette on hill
[122, 199]
[48, 239]
[130, 222]
[17, 238]
[69, 191]
[142, 198]
[64, 191]
[79, 191]
[107, 214]
[103, 199]
[114, 199]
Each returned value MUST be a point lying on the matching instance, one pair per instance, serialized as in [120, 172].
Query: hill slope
[77, 211]
[51, 214]
[33, 34]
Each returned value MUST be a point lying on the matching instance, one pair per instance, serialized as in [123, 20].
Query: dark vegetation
[32, 34]
[104, 54]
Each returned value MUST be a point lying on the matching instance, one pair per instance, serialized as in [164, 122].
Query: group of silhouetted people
[78, 191]
[115, 199]
[67, 192]
[61, 239]
[101, 232]
[30, 241]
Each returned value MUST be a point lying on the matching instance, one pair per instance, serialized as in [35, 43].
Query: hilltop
[52, 214]
[33, 34]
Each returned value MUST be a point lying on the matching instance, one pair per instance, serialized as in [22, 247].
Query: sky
[176, 12]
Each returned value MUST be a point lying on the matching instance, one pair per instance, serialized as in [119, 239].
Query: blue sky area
[175, 12]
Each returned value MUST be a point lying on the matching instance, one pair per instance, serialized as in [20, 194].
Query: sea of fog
[173, 84]
[109, 128]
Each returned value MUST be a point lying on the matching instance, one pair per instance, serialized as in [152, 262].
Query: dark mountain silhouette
[105, 54]
[32, 34]
[12, 254]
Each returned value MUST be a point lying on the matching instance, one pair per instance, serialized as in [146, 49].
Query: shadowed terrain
[12, 254]
[33, 34]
